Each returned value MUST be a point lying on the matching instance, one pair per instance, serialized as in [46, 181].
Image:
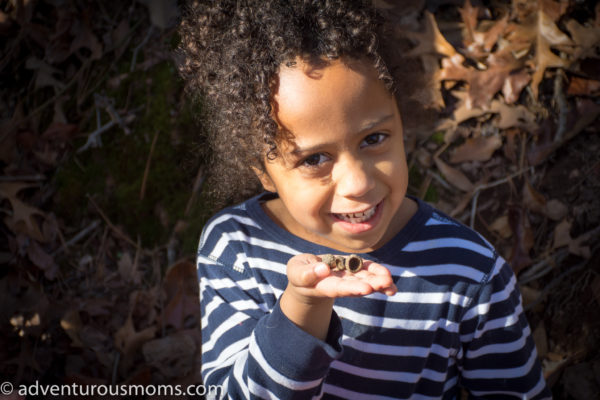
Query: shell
[351, 263]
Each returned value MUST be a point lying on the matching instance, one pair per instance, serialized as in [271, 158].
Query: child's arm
[254, 353]
[499, 356]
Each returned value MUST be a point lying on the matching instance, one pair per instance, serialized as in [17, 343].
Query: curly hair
[230, 54]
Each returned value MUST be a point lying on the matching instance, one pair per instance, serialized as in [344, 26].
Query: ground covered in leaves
[103, 163]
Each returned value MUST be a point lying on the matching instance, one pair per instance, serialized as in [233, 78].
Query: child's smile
[342, 177]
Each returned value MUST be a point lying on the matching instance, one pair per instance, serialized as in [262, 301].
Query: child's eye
[314, 160]
[373, 139]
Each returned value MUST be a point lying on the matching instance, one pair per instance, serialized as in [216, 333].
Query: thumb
[305, 270]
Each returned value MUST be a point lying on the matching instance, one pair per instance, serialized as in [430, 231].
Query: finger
[375, 268]
[339, 287]
[304, 270]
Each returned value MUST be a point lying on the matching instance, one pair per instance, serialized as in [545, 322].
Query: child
[302, 102]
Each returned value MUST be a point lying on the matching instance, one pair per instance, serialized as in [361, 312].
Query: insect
[351, 263]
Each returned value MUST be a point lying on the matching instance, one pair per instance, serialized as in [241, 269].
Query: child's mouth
[356, 218]
[356, 223]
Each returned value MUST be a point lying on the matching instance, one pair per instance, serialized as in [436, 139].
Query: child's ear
[265, 180]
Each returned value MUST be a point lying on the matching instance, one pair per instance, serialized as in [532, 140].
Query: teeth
[356, 218]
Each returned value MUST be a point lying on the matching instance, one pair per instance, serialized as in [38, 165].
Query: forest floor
[103, 163]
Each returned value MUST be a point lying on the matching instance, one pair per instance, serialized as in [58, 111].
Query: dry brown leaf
[479, 148]
[501, 227]
[85, 38]
[431, 40]
[548, 36]
[562, 237]
[583, 87]
[71, 324]
[555, 210]
[182, 309]
[172, 355]
[454, 176]
[44, 74]
[42, 260]
[514, 85]
[23, 218]
[513, 116]
[128, 340]
[532, 199]
[586, 38]
[128, 270]
[469, 15]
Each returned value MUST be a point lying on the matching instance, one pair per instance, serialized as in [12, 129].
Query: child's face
[342, 178]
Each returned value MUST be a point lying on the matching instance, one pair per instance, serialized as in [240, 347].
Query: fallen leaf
[454, 176]
[128, 340]
[44, 74]
[583, 87]
[479, 148]
[23, 218]
[128, 270]
[172, 355]
[555, 210]
[431, 40]
[182, 308]
[562, 237]
[85, 38]
[42, 260]
[514, 85]
[501, 227]
[586, 38]
[532, 199]
[548, 36]
[71, 324]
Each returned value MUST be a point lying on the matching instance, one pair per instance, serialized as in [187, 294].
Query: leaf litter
[513, 151]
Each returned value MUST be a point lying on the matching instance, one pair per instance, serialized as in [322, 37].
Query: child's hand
[312, 278]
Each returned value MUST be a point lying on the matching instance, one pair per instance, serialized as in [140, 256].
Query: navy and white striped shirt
[456, 320]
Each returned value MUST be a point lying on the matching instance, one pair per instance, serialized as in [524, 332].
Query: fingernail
[321, 269]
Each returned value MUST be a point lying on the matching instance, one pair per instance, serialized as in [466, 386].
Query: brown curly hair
[229, 55]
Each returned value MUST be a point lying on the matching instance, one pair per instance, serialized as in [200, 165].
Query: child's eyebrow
[367, 127]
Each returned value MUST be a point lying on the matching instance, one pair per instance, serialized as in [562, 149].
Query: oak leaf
[454, 176]
[479, 148]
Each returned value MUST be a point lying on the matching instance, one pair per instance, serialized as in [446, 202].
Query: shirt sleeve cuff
[294, 352]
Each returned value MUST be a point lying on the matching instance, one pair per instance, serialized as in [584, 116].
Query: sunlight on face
[342, 178]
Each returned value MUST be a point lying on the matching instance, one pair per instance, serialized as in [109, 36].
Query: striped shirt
[456, 320]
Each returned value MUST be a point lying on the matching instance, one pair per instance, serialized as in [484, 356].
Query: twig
[542, 267]
[77, 237]
[139, 46]
[147, 169]
[441, 180]
[560, 278]
[195, 190]
[115, 368]
[561, 103]
[116, 230]
[94, 137]
[484, 186]
[21, 178]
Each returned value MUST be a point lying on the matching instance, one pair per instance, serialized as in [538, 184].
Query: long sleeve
[254, 352]
[499, 359]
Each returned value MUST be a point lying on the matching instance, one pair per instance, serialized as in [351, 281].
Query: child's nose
[353, 178]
